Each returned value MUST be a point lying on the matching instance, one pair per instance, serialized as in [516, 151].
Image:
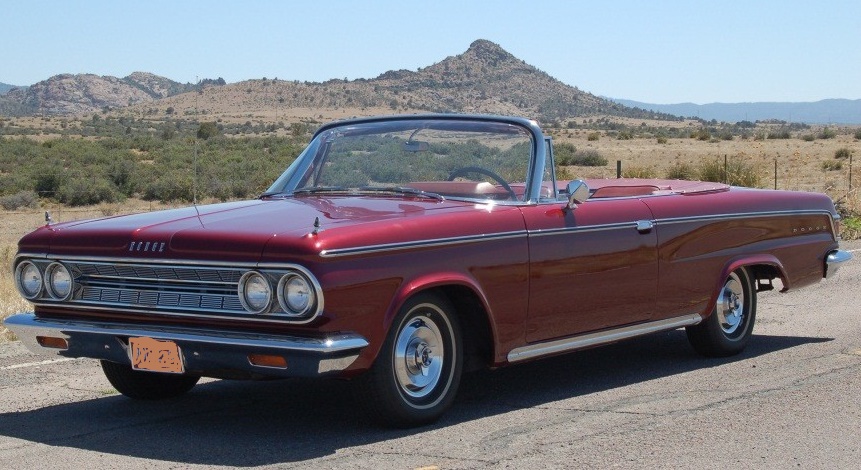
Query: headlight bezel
[243, 291]
[49, 277]
[284, 293]
[19, 280]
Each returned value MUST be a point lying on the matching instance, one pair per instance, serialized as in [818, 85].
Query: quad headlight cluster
[293, 291]
[54, 282]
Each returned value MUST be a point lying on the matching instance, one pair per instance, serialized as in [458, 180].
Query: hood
[238, 231]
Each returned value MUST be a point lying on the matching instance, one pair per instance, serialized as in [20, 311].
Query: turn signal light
[52, 342]
[266, 360]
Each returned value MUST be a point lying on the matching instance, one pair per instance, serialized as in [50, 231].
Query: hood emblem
[147, 247]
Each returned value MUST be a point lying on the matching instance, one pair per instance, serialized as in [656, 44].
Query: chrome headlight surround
[29, 280]
[58, 281]
[255, 292]
[296, 294]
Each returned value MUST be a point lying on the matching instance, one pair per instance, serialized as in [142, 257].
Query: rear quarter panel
[704, 236]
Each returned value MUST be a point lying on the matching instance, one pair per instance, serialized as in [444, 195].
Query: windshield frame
[291, 179]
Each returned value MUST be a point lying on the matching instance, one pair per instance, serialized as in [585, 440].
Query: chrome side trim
[602, 337]
[834, 260]
[437, 242]
[741, 215]
[27, 327]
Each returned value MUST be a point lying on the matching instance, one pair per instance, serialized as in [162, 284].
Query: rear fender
[746, 261]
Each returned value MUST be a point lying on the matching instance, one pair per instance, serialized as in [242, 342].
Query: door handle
[645, 226]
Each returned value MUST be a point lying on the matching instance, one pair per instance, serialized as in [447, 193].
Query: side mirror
[578, 193]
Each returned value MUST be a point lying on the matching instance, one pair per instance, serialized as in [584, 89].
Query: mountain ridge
[827, 111]
[484, 79]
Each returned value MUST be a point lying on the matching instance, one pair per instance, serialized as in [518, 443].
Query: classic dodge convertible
[400, 251]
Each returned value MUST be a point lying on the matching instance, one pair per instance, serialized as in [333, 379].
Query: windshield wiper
[321, 189]
[402, 190]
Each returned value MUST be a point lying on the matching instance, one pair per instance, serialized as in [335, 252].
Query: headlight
[59, 281]
[295, 294]
[255, 293]
[28, 279]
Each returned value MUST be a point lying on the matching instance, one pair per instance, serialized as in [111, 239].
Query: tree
[207, 130]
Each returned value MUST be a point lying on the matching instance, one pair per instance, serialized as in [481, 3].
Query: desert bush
[639, 172]
[827, 133]
[681, 171]
[736, 173]
[858, 134]
[832, 165]
[20, 200]
[842, 153]
[83, 192]
[564, 153]
[662, 139]
[593, 136]
[808, 137]
[701, 134]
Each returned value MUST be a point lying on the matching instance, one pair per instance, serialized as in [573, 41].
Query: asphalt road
[792, 399]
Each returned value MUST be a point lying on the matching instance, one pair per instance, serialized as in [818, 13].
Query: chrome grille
[183, 289]
[209, 291]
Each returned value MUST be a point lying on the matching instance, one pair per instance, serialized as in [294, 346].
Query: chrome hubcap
[730, 305]
[419, 357]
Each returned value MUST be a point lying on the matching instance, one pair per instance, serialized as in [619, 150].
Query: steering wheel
[484, 171]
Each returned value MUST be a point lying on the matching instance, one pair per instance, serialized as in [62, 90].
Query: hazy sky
[651, 50]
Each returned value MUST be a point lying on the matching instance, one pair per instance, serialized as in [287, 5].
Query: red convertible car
[400, 251]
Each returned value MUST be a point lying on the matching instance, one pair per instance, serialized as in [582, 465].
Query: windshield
[479, 160]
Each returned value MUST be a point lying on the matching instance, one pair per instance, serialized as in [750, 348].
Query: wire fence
[778, 175]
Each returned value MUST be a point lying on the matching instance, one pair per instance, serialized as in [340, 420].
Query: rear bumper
[216, 353]
[834, 260]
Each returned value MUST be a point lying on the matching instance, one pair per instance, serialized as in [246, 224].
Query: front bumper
[215, 353]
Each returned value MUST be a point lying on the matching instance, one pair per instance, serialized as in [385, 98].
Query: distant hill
[4, 87]
[484, 79]
[68, 94]
[832, 111]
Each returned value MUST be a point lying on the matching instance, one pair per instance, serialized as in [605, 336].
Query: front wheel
[728, 329]
[416, 375]
[147, 385]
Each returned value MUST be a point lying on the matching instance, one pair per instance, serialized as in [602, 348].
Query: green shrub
[736, 173]
[21, 200]
[858, 134]
[832, 165]
[593, 136]
[808, 137]
[83, 192]
[639, 172]
[662, 139]
[842, 153]
[701, 134]
[827, 133]
[681, 171]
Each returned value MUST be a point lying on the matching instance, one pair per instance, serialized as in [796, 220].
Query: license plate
[155, 355]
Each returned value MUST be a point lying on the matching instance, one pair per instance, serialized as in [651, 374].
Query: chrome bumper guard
[834, 260]
[205, 352]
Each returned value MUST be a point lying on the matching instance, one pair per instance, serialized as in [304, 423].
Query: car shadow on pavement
[244, 424]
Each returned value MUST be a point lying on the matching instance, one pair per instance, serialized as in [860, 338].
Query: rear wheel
[728, 329]
[416, 375]
[147, 385]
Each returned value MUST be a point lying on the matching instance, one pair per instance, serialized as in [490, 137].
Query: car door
[593, 267]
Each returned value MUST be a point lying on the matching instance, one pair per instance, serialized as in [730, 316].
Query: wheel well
[474, 324]
[764, 275]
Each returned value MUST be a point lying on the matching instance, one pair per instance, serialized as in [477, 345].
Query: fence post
[725, 169]
[850, 171]
[618, 169]
[775, 174]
